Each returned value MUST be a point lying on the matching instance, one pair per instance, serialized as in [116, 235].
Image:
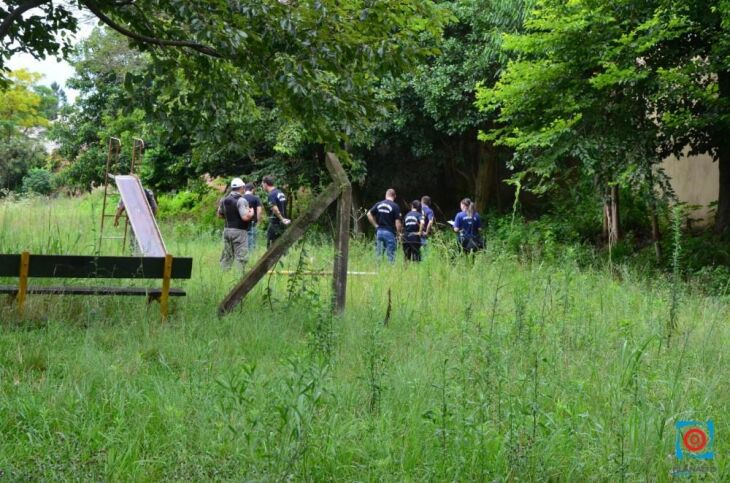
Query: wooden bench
[25, 266]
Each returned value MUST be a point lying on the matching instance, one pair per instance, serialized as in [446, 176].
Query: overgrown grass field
[492, 369]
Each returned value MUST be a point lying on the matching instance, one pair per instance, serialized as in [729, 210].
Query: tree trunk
[359, 225]
[656, 235]
[611, 217]
[486, 176]
[722, 139]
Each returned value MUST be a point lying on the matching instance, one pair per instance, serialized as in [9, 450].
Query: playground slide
[140, 216]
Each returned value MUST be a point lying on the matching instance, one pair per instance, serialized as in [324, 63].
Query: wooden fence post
[342, 237]
[290, 236]
[23, 282]
[339, 186]
[165, 295]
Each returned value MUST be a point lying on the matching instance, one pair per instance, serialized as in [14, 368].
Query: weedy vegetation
[499, 367]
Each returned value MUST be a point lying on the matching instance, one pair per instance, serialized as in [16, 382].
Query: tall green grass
[491, 369]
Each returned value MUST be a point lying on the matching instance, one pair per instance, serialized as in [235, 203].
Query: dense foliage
[609, 88]
[25, 112]
[576, 102]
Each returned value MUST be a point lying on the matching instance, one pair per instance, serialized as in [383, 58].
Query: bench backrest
[73, 266]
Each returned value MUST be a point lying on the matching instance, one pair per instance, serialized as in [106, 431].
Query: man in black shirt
[277, 210]
[385, 217]
[254, 202]
[414, 222]
[235, 211]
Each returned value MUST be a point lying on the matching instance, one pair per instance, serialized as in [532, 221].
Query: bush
[197, 207]
[38, 180]
[17, 156]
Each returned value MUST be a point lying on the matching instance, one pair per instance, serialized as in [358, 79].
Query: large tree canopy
[319, 60]
[611, 87]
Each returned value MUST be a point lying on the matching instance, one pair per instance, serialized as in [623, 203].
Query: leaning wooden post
[342, 237]
[165, 295]
[23, 282]
[290, 236]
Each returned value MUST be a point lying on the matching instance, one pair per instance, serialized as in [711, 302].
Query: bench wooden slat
[71, 290]
[9, 265]
[74, 266]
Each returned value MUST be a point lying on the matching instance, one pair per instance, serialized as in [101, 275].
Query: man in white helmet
[235, 211]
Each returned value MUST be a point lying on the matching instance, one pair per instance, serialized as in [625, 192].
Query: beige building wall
[695, 180]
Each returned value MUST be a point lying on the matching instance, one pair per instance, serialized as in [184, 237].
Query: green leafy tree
[17, 156]
[434, 131]
[21, 116]
[319, 61]
[38, 180]
[606, 89]
[20, 106]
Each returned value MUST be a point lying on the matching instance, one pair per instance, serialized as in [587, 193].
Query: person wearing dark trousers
[427, 218]
[468, 227]
[386, 218]
[277, 210]
[235, 211]
[254, 202]
[413, 224]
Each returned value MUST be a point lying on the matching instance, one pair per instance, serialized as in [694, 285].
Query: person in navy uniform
[254, 202]
[427, 218]
[468, 227]
[385, 217]
[277, 210]
[235, 211]
[413, 224]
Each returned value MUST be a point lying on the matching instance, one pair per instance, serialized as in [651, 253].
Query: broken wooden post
[342, 236]
[295, 231]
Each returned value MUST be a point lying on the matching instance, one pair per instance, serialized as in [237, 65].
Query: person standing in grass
[254, 202]
[235, 211]
[468, 226]
[277, 210]
[427, 218]
[386, 218]
[413, 227]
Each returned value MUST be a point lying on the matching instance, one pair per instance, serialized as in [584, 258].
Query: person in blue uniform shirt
[427, 218]
[386, 218]
[468, 227]
[254, 202]
[277, 210]
[413, 224]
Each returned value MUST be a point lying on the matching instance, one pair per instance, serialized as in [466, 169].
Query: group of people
[416, 225]
[242, 210]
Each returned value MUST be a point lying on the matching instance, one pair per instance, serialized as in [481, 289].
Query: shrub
[38, 180]
[17, 156]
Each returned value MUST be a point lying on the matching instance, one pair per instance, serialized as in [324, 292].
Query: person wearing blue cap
[468, 226]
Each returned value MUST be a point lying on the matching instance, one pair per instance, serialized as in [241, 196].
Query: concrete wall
[695, 180]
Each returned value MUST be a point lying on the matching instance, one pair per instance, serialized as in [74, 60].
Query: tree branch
[203, 49]
[16, 14]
